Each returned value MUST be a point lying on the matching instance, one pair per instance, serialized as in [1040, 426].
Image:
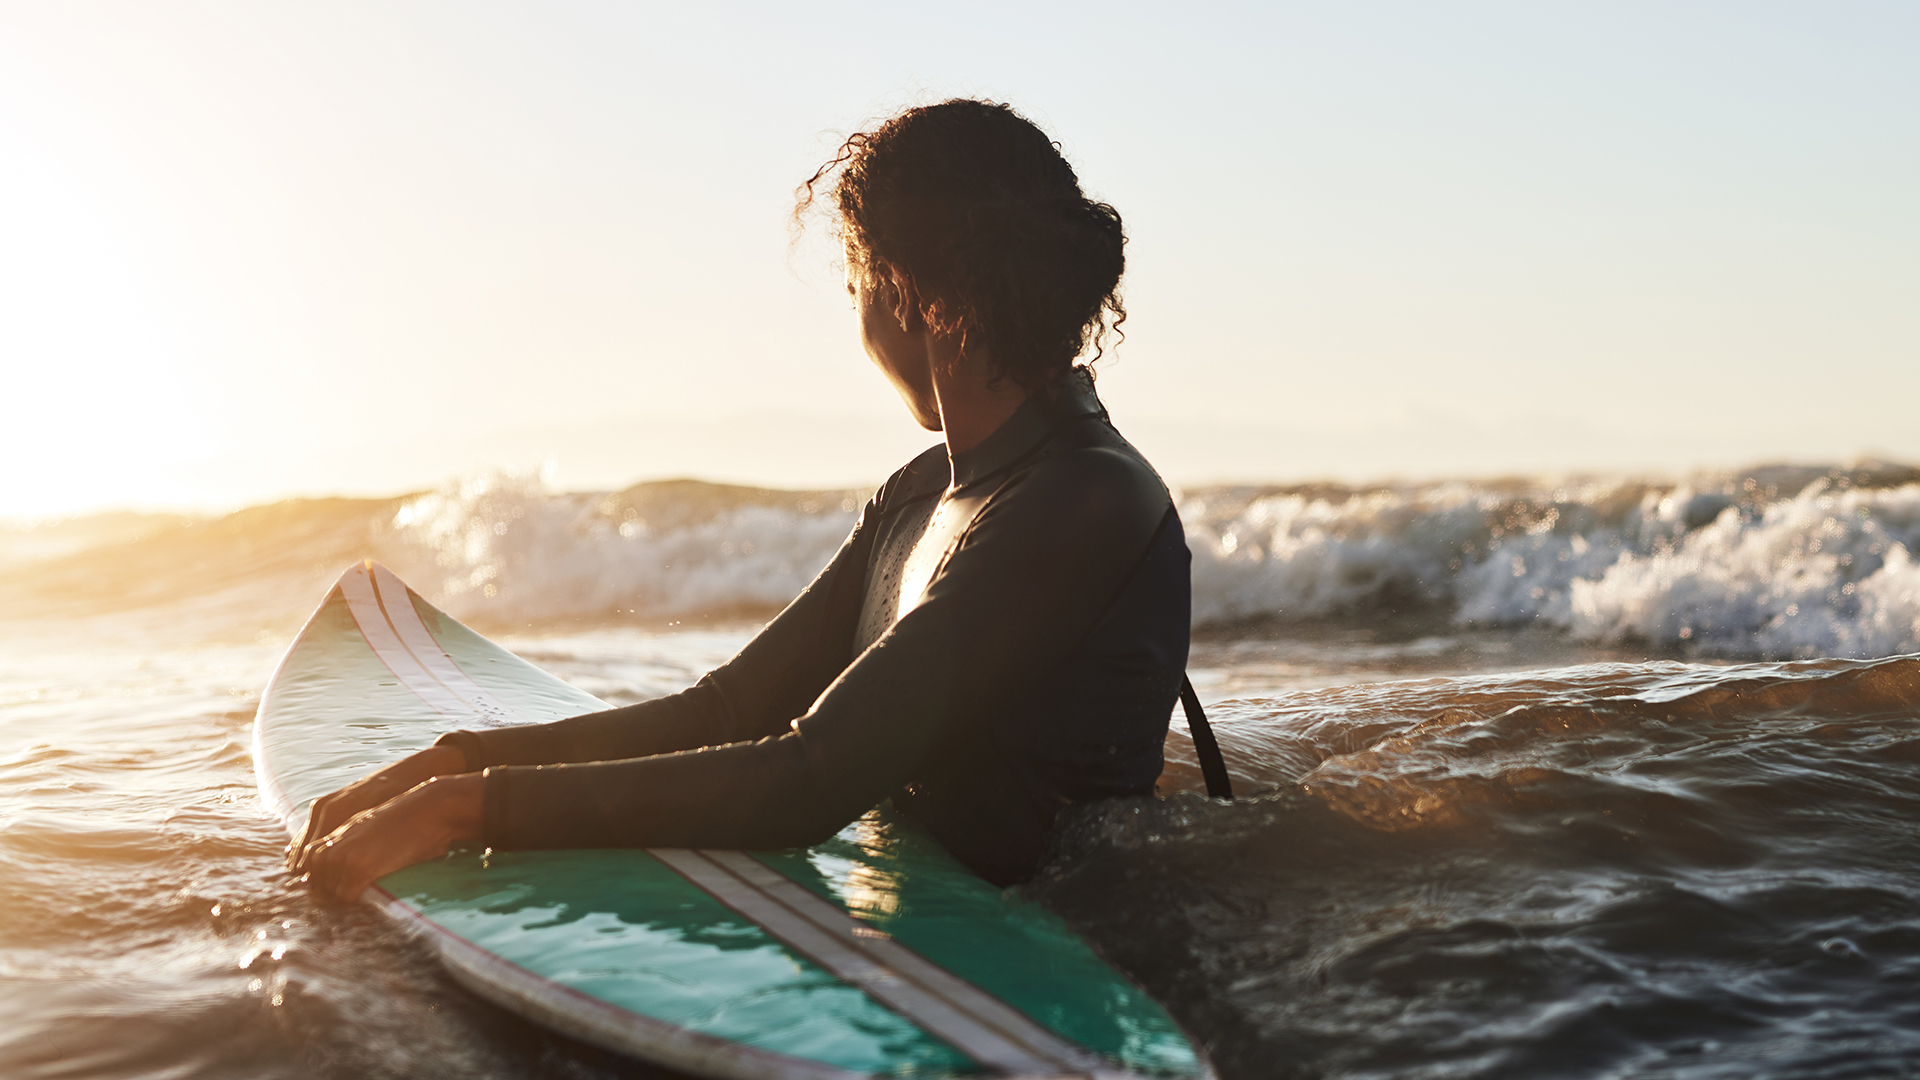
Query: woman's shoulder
[1087, 454]
[924, 476]
[1096, 480]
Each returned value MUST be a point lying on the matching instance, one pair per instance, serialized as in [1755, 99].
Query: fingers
[319, 827]
[340, 867]
[332, 873]
[296, 851]
[340, 864]
[417, 825]
[314, 867]
[306, 859]
[330, 812]
[333, 864]
[317, 851]
[302, 859]
[329, 818]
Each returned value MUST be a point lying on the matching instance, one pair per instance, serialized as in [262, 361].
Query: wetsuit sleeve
[770, 681]
[1025, 583]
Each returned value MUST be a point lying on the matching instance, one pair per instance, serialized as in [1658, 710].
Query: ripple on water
[1645, 869]
[1602, 871]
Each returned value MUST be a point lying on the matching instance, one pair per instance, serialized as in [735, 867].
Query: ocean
[1585, 777]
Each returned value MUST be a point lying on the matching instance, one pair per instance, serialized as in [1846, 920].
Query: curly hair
[976, 209]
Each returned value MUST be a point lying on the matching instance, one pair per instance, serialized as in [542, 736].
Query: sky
[254, 250]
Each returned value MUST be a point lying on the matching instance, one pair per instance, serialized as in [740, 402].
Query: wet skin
[408, 812]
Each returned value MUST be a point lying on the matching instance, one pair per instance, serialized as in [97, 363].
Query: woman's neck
[972, 403]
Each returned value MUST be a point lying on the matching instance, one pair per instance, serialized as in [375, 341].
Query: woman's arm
[771, 680]
[1036, 570]
[790, 660]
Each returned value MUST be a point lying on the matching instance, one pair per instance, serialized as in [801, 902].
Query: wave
[499, 545]
[1779, 562]
[1776, 562]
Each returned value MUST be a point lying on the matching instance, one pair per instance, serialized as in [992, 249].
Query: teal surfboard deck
[873, 954]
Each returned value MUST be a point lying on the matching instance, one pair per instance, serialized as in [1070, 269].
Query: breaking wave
[1777, 562]
[500, 545]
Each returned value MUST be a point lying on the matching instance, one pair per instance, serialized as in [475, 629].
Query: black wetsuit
[1036, 664]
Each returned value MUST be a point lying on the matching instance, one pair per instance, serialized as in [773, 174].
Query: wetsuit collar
[1036, 420]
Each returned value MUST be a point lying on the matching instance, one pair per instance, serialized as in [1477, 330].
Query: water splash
[1774, 563]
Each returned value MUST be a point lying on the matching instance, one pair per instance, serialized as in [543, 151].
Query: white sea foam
[504, 547]
[1821, 574]
[1711, 567]
[1780, 562]
[1295, 555]
[1720, 569]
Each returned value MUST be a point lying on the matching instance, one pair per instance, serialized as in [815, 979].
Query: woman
[1004, 632]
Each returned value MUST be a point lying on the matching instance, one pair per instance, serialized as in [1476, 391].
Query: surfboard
[874, 954]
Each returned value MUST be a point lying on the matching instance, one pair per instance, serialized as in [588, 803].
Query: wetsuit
[986, 648]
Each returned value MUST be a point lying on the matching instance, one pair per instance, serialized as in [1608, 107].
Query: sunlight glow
[100, 396]
[256, 251]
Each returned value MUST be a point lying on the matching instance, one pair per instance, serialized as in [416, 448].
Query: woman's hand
[332, 811]
[419, 825]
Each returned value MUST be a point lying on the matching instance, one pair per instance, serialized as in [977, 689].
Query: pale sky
[251, 250]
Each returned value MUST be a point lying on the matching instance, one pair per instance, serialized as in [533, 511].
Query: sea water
[1591, 777]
